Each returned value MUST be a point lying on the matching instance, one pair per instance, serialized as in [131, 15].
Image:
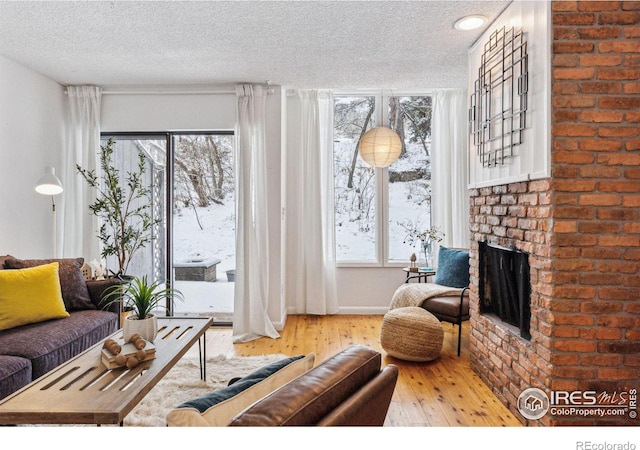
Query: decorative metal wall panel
[497, 113]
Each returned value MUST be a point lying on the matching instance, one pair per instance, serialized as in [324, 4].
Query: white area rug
[183, 383]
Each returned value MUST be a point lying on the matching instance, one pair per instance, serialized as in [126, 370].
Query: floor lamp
[49, 184]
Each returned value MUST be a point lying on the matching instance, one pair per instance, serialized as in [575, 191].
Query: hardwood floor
[444, 392]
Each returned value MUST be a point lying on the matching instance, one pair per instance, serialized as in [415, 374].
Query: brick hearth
[581, 227]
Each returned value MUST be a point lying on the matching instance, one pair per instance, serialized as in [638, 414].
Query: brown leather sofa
[348, 389]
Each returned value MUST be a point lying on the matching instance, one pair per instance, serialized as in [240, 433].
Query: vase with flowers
[425, 238]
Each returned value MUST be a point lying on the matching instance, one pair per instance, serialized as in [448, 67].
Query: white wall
[367, 290]
[533, 156]
[164, 112]
[32, 136]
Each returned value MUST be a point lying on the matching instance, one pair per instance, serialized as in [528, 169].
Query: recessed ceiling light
[470, 22]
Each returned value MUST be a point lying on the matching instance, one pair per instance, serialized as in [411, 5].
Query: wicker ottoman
[412, 334]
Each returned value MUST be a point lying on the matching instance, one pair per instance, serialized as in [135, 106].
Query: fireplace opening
[505, 285]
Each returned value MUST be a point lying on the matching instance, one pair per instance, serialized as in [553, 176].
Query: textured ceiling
[303, 44]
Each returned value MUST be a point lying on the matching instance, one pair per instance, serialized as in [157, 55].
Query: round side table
[421, 274]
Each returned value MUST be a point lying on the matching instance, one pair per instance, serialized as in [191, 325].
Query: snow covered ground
[216, 239]
[202, 297]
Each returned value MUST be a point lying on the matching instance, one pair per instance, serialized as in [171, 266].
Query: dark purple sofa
[29, 351]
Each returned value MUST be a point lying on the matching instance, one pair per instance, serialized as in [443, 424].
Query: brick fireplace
[581, 227]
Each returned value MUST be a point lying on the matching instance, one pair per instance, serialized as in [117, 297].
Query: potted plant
[125, 212]
[142, 299]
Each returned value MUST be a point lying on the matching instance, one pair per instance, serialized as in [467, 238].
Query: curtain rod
[160, 91]
[168, 92]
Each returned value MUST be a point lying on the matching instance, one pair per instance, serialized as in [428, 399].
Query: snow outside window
[376, 208]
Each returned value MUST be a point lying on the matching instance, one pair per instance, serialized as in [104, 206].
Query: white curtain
[449, 173]
[310, 258]
[250, 319]
[78, 236]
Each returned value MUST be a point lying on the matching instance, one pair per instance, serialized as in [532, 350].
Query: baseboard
[353, 310]
[226, 319]
[364, 310]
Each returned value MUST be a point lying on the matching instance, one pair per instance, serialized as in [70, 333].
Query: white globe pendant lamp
[380, 147]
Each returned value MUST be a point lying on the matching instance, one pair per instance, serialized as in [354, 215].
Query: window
[375, 208]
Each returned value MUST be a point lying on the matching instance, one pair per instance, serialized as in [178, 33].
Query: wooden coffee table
[84, 391]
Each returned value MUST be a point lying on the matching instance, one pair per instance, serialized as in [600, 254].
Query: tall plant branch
[127, 223]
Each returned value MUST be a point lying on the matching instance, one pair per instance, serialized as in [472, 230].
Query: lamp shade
[49, 183]
[380, 147]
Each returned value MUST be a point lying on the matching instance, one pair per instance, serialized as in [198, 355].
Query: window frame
[381, 115]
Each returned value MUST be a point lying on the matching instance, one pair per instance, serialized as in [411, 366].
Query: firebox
[505, 285]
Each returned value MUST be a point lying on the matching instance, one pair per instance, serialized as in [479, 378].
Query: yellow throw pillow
[30, 295]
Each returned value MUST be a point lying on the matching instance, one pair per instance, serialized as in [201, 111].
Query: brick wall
[582, 226]
[515, 215]
[596, 185]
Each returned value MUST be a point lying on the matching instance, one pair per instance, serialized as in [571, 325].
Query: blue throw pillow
[213, 398]
[453, 268]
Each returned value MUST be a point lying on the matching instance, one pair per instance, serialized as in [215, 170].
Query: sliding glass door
[192, 181]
